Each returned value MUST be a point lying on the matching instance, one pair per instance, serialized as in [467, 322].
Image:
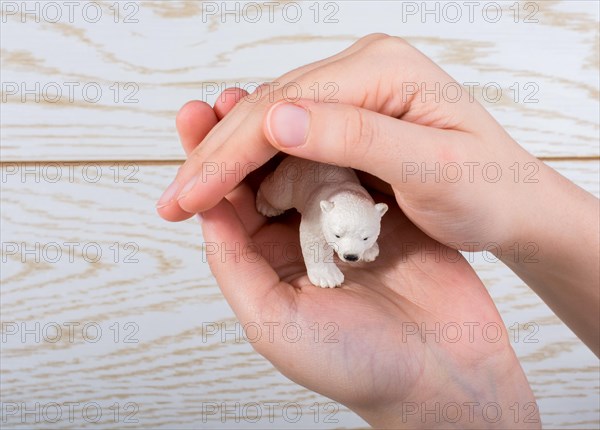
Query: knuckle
[359, 135]
[260, 97]
[372, 37]
[388, 45]
[196, 154]
[248, 101]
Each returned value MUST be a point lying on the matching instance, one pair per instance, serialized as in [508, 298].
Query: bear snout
[351, 257]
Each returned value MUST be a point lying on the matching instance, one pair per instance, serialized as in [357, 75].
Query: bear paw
[371, 253]
[264, 207]
[326, 276]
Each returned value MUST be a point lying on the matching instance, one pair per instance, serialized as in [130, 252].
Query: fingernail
[288, 124]
[199, 218]
[168, 196]
[188, 187]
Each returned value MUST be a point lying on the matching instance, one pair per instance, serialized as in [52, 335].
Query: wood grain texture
[143, 71]
[156, 359]
[167, 295]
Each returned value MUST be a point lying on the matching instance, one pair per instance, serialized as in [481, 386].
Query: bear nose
[351, 257]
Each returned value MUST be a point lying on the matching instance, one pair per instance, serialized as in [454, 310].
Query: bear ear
[381, 208]
[326, 206]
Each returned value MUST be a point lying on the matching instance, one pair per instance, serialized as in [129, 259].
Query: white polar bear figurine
[338, 214]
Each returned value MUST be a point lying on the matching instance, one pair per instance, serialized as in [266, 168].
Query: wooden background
[89, 171]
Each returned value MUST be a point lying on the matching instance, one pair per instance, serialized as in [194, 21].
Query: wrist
[545, 215]
[494, 395]
[555, 250]
[531, 207]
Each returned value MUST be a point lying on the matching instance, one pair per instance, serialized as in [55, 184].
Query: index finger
[237, 145]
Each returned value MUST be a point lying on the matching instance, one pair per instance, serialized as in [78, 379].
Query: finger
[243, 199]
[350, 136]
[227, 100]
[194, 120]
[248, 282]
[224, 145]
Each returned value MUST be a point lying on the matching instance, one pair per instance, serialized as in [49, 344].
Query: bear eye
[366, 238]
[337, 235]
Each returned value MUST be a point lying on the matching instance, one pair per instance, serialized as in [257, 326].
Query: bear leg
[274, 196]
[371, 253]
[318, 258]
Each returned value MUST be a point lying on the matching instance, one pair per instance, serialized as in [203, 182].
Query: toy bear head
[351, 224]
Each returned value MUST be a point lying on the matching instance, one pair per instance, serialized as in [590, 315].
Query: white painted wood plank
[176, 51]
[167, 295]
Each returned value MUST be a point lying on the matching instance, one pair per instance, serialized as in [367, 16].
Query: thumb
[350, 136]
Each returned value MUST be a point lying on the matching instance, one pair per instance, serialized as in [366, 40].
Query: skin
[375, 126]
[396, 297]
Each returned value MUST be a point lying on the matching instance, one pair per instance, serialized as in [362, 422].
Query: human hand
[396, 119]
[365, 344]
[363, 131]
